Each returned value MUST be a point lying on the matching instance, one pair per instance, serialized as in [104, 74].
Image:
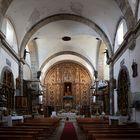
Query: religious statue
[107, 56]
[67, 93]
[25, 52]
[134, 69]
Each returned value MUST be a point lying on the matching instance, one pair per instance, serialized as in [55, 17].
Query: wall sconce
[134, 67]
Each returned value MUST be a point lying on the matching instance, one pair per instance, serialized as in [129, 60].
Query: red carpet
[69, 132]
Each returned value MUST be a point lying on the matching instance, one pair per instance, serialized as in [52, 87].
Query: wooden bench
[96, 129]
[86, 129]
[47, 124]
[96, 122]
[45, 120]
[117, 136]
[90, 133]
[16, 137]
[32, 129]
[89, 130]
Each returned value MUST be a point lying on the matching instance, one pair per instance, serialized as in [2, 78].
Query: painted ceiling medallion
[66, 38]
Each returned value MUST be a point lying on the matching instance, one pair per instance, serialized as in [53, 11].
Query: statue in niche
[67, 89]
[134, 69]
[67, 93]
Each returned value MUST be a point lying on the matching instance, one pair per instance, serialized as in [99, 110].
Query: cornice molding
[5, 45]
[2, 35]
[8, 47]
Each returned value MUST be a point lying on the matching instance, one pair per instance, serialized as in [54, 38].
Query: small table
[9, 119]
[119, 120]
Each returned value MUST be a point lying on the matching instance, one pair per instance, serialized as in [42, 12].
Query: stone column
[111, 85]
[20, 87]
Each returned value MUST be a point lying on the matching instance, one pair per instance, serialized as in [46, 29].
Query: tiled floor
[58, 132]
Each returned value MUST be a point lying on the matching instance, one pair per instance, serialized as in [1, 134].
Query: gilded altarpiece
[67, 79]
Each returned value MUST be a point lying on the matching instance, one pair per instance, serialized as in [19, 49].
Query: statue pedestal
[69, 115]
[68, 103]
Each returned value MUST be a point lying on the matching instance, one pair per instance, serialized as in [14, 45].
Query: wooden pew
[90, 133]
[117, 136]
[44, 121]
[96, 129]
[86, 129]
[32, 129]
[16, 137]
[90, 128]
[117, 139]
[48, 124]
[31, 133]
[92, 122]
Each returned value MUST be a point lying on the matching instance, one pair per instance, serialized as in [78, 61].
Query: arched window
[121, 30]
[123, 91]
[8, 30]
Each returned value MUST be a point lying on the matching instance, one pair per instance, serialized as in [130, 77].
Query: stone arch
[7, 88]
[123, 91]
[6, 68]
[137, 9]
[62, 74]
[57, 17]
[14, 44]
[91, 68]
[127, 12]
[67, 52]
[3, 8]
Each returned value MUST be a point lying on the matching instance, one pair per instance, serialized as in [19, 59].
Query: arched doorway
[123, 91]
[68, 88]
[7, 90]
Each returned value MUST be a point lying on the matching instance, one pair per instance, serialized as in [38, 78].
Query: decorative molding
[119, 52]
[67, 73]
[2, 36]
[7, 47]
[22, 61]
[137, 29]
[128, 34]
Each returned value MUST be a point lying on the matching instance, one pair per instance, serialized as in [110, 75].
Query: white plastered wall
[14, 64]
[129, 56]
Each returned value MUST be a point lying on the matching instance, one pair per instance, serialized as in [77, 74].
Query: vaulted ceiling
[85, 23]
